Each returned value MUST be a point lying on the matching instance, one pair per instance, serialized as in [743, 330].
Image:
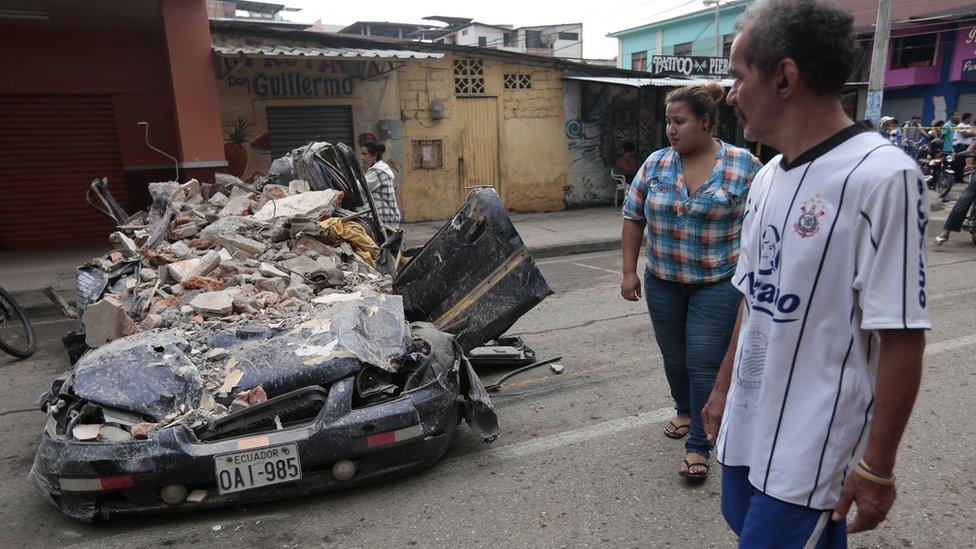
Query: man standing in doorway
[816, 389]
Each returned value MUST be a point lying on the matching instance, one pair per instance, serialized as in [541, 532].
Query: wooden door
[477, 120]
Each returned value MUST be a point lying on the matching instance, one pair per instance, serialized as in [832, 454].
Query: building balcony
[912, 76]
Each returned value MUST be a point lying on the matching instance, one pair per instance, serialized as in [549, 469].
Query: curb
[575, 248]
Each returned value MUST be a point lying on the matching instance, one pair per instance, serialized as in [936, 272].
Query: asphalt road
[581, 460]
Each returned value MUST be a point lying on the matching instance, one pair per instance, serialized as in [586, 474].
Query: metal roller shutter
[51, 148]
[966, 102]
[291, 127]
[902, 109]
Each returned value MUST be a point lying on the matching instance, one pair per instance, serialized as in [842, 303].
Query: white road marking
[594, 268]
[950, 345]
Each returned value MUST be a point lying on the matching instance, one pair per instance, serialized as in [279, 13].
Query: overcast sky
[598, 18]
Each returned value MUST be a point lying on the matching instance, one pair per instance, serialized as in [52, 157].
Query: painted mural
[600, 118]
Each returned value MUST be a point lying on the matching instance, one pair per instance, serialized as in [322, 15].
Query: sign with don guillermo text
[689, 65]
[292, 84]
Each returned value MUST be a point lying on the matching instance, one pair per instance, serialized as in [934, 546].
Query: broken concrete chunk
[238, 204]
[185, 230]
[242, 243]
[231, 381]
[337, 298]
[213, 304]
[86, 431]
[152, 321]
[218, 354]
[299, 186]
[203, 283]
[270, 270]
[142, 430]
[106, 320]
[123, 243]
[219, 199]
[162, 304]
[301, 265]
[312, 205]
[254, 396]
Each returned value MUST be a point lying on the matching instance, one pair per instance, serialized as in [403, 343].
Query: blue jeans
[961, 209]
[763, 521]
[692, 324]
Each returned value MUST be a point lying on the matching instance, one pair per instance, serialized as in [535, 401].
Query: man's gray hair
[816, 34]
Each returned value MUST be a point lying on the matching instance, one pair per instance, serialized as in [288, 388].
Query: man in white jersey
[821, 375]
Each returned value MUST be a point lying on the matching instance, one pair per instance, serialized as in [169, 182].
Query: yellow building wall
[532, 148]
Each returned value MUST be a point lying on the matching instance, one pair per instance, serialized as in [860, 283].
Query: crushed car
[245, 343]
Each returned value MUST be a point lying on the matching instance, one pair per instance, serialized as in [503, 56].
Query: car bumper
[135, 472]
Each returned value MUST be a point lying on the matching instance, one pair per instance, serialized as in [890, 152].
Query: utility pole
[879, 62]
[718, 31]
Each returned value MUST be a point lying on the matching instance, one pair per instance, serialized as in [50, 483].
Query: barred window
[427, 154]
[518, 81]
[469, 76]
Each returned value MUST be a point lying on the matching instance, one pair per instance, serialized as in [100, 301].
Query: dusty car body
[360, 391]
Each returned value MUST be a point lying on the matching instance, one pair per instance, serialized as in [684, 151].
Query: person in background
[935, 130]
[914, 137]
[895, 135]
[815, 391]
[689, 198]
[948, 133]
[379, 179]
[626, 164]
[964, 133]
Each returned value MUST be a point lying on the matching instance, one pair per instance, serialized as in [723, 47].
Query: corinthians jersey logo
[810, 213]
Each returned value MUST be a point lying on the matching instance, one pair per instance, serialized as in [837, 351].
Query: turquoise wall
[699, 29]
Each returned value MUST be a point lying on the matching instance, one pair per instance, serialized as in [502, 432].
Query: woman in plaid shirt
[689, 199]
[379, 179]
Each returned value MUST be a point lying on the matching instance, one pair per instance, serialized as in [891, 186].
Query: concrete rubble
[206, 259]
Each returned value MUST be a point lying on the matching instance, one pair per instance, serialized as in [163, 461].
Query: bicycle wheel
[17, 336]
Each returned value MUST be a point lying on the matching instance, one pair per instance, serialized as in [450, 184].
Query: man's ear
[787, 76]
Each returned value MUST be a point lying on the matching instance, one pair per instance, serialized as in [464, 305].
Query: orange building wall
[194, 85]
[128, 65]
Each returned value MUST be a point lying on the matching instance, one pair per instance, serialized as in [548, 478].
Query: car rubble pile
[278, 319]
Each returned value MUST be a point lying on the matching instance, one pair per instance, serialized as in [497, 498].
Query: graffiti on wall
[581, 144]
[602, 119]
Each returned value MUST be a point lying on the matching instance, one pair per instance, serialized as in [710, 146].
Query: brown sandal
[676, 431]
[688, 474]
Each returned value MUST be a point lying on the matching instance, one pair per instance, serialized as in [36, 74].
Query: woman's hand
[630, 288]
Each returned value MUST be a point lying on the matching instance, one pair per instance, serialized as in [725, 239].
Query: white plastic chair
[622, 186]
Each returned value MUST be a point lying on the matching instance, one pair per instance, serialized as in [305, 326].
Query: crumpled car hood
[150, 373]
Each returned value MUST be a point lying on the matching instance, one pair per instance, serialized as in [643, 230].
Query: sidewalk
[26, 274]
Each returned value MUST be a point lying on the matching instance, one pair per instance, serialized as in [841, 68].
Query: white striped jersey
[833, 249]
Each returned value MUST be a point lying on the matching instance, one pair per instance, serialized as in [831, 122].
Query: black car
[358, 392]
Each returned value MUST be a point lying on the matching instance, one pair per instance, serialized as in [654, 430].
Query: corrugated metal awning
[642, 82]
[230, 50]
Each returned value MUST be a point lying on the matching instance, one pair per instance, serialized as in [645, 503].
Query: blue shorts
[762, 521]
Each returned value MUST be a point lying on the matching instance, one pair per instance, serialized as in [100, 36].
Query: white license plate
[256, 468]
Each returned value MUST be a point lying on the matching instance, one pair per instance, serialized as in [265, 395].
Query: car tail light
[391, 437]
[96, 484]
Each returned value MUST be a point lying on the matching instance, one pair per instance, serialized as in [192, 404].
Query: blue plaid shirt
[692, 239]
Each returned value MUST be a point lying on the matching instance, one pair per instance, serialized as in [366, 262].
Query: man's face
[955, 118]
[753, 94]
